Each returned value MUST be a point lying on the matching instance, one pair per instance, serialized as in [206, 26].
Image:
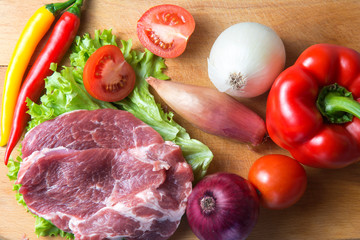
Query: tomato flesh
[165, 30]
[281, 180]
[107, 76]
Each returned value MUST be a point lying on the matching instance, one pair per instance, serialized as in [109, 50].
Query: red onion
[223, 206]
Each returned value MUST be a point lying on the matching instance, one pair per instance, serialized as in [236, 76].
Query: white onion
[245, 59]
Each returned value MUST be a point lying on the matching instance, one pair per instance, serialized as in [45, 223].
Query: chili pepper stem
[75, 9]
[55, 8]
[337, 104]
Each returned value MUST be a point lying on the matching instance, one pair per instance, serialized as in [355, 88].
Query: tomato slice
[107, 76]
[165, 30]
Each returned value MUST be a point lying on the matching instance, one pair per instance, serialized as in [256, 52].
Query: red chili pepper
[311, 111]
[59, 42]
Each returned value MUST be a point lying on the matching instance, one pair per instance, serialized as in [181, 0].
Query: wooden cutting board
[330, 208]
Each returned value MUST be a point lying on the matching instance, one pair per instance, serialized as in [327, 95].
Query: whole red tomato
[281, 180]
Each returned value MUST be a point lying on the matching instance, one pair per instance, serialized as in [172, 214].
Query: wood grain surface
[330, 207]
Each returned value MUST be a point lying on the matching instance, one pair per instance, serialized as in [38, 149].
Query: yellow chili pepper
[35, 29]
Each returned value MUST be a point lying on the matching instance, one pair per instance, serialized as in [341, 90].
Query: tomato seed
[156, 39]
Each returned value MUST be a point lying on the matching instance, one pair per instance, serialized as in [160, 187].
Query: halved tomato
[107, 76]
[165, 30]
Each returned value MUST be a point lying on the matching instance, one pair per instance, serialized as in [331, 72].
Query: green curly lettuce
[65, 92]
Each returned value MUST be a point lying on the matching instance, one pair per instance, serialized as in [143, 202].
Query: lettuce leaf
[142, 104]
[65, 92]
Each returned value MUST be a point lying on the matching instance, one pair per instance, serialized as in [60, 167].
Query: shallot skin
[212, 111]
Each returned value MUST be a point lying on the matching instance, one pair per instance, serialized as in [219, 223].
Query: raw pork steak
[104, 174]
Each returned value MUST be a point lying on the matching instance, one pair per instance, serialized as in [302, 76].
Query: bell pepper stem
[337, 104]
[55, 8]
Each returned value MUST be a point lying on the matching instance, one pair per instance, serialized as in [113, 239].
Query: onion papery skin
[212, 111]
[236, 209]
[249, 52]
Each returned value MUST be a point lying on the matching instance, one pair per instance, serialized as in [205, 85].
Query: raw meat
[105, 128]
[104, 175]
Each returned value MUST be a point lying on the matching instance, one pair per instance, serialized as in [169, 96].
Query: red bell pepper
[59, 42]
[313, 107]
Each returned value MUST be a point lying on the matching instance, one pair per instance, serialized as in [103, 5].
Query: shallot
[212, 111]
[245, 59]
